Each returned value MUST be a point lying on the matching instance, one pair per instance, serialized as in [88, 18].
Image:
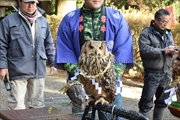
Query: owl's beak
[96, 52]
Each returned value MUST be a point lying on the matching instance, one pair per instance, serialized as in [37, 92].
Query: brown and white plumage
[96, 64]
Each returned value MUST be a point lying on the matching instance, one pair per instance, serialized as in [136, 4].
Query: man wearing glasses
[156, 49]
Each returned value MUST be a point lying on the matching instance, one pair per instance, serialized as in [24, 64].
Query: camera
[176, 49]
[6, 83]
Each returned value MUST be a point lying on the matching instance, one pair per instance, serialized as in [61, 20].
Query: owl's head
[94, 48]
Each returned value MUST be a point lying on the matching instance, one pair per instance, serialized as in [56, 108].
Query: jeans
[155, 83]
[104, 116]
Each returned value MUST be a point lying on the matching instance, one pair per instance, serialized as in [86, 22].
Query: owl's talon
[88, 101]
[102, 101]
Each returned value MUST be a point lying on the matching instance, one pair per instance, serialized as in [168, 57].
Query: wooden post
[7, 3]
[2, 12]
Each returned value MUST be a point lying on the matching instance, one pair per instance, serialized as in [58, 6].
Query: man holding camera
[156, 49]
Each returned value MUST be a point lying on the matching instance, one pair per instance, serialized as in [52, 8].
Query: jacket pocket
[42, 55]
[16, 31]
[16, 44]
[16, 37]
[43, 32]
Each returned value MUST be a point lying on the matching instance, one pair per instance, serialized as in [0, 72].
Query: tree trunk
[46, 6]
[64, 6]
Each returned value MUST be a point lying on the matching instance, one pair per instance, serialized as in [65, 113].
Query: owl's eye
[91, 47]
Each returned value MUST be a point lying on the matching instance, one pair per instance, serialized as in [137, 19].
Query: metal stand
[115, 111]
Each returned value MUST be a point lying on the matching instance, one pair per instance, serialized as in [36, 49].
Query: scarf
[30, 18]
[162, 32]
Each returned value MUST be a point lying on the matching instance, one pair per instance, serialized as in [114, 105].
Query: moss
[175, 104]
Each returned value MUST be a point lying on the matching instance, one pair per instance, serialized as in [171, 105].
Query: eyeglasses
[164, 22]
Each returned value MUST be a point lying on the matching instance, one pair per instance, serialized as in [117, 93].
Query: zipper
[93, 32]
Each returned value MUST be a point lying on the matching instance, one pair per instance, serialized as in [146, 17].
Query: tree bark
[46, 6]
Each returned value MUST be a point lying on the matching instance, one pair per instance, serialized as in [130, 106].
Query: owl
[97, 73]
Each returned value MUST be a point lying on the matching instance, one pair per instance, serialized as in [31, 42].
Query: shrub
[54, 22]
[137, 20]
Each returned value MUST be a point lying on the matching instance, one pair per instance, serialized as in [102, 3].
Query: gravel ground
[131, 94]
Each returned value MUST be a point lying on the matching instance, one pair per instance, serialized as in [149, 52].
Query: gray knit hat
[31, 1]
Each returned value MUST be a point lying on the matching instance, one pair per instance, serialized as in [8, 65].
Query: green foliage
[158, 3]
[115, 3]
[9, 10]
[175, 104]
[139, 4]
[53, 8]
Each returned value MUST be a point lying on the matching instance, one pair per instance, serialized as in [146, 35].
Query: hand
[53, 70]
[174, 52]
[3, 72]
[170, 49]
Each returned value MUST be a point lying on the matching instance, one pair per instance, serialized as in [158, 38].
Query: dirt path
[131, 94]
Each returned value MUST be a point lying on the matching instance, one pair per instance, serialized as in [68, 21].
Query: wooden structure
[4, 4]
[37, 114]
[8, 3]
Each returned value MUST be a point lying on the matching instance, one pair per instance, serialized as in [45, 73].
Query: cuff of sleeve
[163, 51]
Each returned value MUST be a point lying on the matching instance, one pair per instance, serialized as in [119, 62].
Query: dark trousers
[155, 83]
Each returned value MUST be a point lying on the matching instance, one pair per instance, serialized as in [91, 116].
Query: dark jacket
[17, 52]
[152, 52]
